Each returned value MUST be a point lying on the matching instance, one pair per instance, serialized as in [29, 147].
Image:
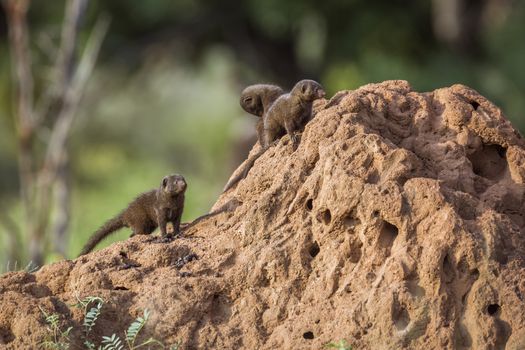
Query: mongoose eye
[303, 88]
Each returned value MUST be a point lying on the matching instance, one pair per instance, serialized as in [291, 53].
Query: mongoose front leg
[267, 138]
[176, 224]
[162, 221]
[288, 125]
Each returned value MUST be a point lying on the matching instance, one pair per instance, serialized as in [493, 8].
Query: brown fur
[257, 99]
[289, 113]
[148, 211]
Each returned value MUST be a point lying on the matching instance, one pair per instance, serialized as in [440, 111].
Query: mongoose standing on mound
[152, 209]
[289, 113]
[256, 100]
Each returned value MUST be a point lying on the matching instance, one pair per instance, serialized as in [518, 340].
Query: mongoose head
[255, 97]
[173, 185]
[308, 90]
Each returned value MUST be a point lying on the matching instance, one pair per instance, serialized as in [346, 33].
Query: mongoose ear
[164, 182]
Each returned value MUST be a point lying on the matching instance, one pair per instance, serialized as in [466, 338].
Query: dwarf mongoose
[152, 209]
[257, 99]
[289, 113]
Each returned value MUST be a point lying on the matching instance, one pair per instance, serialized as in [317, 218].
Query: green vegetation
[11, 267]
[341, 345]
[59, 336]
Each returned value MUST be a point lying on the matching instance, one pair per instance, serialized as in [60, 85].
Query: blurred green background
[164, 94]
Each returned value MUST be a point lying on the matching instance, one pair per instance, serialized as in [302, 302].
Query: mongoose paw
[167, 239]
[295, 142]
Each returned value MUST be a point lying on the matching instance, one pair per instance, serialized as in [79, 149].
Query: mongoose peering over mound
[257, 99]
[289, 113]
[148, 211]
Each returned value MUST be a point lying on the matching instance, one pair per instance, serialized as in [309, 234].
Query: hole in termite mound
[351, 221]
[309, 204]
[493, 309]
[387, 235]
[120, 288]
[401, 318]
[447, 271]
[325, 217]
[314, 250]
[6, 336]
[308, 335]
[489, 162]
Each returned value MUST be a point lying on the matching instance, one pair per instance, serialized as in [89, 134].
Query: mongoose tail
[109, 227]
[245, 171]
[229, 206]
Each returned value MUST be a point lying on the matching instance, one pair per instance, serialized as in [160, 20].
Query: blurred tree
[283, 41]
[458, 23]
[287, 41]
[42, 160]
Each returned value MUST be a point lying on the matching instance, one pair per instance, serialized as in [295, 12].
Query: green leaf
[341, 345]
[135, 327]
[112, 343]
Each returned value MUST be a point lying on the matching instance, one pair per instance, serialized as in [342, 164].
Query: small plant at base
[111, 343]
[30, 267]
[134, 329]
[90, 317]
[92, 314]
[132, 333]
[92, 306]
[59, 339]
[341, 345]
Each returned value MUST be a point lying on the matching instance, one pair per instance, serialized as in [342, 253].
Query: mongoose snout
[174, 184]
